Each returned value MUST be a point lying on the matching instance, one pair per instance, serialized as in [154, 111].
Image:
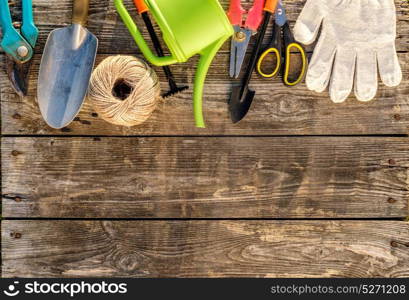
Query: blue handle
[28, 29]
[12, 40]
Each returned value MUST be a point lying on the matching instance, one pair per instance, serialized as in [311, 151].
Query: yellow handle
[286, 77]
[263, 57]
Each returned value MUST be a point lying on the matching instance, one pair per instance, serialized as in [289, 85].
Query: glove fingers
[319, 70]
[389, 67]
[309, 22]
[342, 75]
[366, 83]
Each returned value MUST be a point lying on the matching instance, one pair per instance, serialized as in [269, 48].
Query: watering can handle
[140, 41]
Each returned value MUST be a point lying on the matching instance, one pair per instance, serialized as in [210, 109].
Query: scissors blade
[18, 75]
[241, 41]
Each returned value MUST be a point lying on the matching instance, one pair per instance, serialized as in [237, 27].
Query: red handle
[235, 12]
[141, 6]
[255, 15]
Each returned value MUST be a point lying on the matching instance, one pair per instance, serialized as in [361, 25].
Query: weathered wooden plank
[114, 37]
[277, 110]
[205, 249]
[205, 177]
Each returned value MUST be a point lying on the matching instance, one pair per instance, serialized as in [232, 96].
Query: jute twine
[124, 90]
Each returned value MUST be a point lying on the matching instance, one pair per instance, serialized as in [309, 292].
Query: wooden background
[301, 188]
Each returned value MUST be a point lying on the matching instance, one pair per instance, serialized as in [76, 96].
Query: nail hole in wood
[16, 116]
[15, 235]
[65, 129]
[391, 200]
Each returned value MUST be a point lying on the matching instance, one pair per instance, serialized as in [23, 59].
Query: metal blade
[232, 70]
[18, 75]
[65, 71]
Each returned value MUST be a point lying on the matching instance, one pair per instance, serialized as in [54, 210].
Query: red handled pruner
[243, 30]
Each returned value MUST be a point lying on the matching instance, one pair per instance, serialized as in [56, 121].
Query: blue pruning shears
[18, 44]
[283, 48]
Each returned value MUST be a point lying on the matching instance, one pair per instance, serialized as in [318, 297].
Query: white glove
[357, 38]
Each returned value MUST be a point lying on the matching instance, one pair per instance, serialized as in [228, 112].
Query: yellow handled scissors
[281, 45]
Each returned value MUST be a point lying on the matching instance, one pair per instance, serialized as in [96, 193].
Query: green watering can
[189, 27]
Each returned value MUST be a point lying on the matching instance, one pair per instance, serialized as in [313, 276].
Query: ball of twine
[124, 90]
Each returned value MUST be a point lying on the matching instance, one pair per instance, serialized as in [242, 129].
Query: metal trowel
[65, 70]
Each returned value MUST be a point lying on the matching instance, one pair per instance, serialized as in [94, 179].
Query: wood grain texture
[205, 177]
[205, 249]
[277, 110]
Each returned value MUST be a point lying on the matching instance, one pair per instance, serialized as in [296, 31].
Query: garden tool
[18, 44]
[242, 96]
[243, 30]
[65, 70]
[188, 28]
[281, 47]
[357, 40]
[143, 11]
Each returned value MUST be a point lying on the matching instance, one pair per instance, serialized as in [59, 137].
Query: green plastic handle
[140, 41]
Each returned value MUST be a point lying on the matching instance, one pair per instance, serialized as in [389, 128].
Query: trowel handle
[141, 6]
[80, 12]
[140, 41]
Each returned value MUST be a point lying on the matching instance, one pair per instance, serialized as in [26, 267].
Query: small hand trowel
[65, 70]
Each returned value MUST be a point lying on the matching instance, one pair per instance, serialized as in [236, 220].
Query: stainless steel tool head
[240, 103]
[65, 72]
[239, 44]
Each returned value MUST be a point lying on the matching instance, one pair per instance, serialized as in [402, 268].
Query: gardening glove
[357, 39]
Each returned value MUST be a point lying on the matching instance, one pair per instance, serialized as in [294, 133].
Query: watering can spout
[206, 59]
